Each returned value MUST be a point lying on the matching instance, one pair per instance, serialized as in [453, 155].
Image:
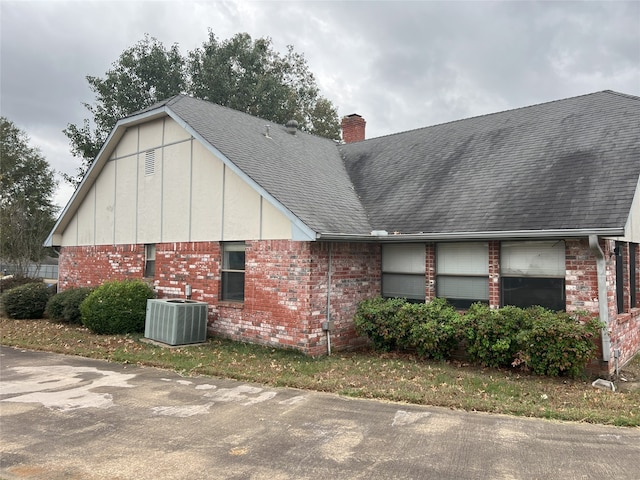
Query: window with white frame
[533, 273]
[403, 271]
[150, 260]
[233, 261]
[462, 273]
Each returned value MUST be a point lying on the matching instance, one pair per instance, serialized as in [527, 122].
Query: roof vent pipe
[292, 127]
[266, 131]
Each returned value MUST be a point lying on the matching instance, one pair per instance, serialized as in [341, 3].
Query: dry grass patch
[394, 377]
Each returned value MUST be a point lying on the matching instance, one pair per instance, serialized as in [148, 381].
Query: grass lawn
[365, 374]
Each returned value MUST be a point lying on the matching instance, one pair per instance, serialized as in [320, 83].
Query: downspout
[603, 302]
[326, 326]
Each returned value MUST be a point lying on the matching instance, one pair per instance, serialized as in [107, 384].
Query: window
[618, 251]
[403, 271]
[150, 260]
[462, 273]
[233, 256]
[532, 273]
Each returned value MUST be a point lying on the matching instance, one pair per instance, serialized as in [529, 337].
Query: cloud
[400, 64]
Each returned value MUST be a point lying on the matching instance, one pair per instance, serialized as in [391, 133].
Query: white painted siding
[187, 194]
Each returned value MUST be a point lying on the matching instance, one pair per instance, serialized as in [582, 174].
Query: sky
[399, 64]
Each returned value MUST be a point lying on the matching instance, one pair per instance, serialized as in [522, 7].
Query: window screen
[462, 273]
[403, 271]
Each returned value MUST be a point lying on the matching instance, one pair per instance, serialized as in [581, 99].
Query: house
[282, 233]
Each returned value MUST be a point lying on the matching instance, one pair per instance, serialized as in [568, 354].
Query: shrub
[65, 306]
[13, 282]
[394, 323]
[116, 307]
[26, 301]
[433, 330]
[492, 335]
[376, 319]
[557, 343]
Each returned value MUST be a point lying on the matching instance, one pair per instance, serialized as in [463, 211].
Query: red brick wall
[285, 285]
[92, 265]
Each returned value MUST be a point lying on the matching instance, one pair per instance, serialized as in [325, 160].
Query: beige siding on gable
[128, 144]
[149, 218]
[206, 194]
[70, 234]
[241, 209]
[151, 134]
[185, 194]
[173, 132]
[176, 189]
[87, 219]
[105, 204]
[274, 224]
[126, 200]
[632, 228]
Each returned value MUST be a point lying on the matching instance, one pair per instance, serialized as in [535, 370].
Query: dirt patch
[628, 379]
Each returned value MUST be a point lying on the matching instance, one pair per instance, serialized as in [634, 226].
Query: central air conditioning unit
[176, 321]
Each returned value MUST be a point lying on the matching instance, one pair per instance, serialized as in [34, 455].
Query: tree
[143, 75]
[240, 73]
[26, 208]
[250, 76]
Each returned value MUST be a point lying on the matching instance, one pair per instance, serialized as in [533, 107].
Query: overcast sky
[401, 65]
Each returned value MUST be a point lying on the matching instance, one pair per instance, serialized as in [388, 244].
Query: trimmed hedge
[534, 339]
[26, 301]
[395, 324]
[117, 307]
[65, 306]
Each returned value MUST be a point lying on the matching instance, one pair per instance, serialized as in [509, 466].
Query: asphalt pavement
[64, 417]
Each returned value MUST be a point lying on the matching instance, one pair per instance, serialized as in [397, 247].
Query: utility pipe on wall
[327, 327]
[603, 303]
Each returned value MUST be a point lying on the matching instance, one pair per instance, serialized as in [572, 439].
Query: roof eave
[470, 236]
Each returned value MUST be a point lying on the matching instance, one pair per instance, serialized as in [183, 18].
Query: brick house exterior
[519, 207]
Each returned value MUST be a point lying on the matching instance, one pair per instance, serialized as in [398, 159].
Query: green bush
[116, 307]
[391, 324]
[434, 328]
[65, 306]
[376, 319]
[26, 301]
[13, 282]
[557, 343]
[491, 335]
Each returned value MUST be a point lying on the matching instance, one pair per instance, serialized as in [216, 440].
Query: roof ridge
[633, 97]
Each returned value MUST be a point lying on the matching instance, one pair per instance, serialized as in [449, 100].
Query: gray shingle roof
[303, 172]
[568, 164]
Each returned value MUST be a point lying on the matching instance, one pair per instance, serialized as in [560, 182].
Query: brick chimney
[353, 128]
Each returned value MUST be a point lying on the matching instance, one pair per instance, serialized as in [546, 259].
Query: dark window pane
[464, 303]
[150, 268]
[233, 286]
[235, 261]
[526, 292]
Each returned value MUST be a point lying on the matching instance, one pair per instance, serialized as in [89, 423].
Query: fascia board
[468, 236]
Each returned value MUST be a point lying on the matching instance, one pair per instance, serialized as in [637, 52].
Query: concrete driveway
[65, 417]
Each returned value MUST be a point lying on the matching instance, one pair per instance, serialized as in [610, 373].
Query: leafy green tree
[250, 76]
[26, 207]
[144, 74]
[240, 73]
